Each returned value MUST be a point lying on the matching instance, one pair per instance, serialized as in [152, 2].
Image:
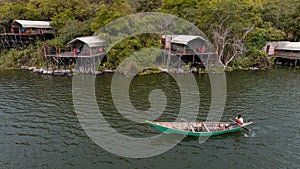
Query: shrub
[252, 58]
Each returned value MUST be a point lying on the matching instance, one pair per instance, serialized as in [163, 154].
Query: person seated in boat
[239, 120]
[222, 127]
[198, 127]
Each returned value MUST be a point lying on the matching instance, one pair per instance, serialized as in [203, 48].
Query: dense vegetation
[238, 29]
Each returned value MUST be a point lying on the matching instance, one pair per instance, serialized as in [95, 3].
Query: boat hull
[170, 130]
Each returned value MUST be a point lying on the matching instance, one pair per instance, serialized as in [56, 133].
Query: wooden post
[193, 57]
[95, 65]
[46, 58]
[179, 61]
[168, 62]
[169, 59]
[45, 53]
[64, 62]
[91, 61]
[291, 58]
[164, 56]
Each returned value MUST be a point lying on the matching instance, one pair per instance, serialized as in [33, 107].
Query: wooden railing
[288, 54]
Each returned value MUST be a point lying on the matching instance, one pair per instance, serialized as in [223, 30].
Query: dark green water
[39, 127]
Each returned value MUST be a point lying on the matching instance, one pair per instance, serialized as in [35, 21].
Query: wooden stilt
[168, 62]
[3, 45]
[193, 58]
[179, 62]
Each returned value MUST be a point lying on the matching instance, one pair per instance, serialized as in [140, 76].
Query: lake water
[39, 127]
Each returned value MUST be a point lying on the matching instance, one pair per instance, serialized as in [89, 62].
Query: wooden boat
[198, 129]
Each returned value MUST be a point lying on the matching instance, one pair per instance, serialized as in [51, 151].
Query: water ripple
[39, 128]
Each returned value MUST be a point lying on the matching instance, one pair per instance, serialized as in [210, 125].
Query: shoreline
[72, 72]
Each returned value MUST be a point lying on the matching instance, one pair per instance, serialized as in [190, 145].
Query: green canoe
[197, 129]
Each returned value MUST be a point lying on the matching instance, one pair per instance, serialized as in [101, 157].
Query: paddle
[245, 128]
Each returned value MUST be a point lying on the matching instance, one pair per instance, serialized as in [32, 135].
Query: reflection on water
[39, 128]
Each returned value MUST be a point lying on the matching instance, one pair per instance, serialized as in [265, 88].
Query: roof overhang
[91, 41]
[186, 39]
[288, 46]
[33, 24]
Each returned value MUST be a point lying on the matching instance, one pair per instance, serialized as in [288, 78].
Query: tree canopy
[234, 27]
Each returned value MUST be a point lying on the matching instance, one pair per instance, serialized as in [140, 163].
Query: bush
[253, 58]
[15, 58]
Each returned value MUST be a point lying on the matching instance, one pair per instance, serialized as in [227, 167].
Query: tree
[11, 11]
[129, 46]
[109, 12]
[281, 13]
[73, 29]
[148, 6]
[294, 25]
[234, 27]
[263, 33]
[232, 22]
[181, 8]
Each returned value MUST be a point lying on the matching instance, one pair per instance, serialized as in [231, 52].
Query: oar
[245, 128]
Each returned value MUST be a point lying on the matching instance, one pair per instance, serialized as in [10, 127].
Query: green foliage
[274, 20]
[129, 46]
[15, 58]
[253, 58]
[293, 25]
[180, 8]
[107, 13]
[260, 35]
[11, 11]
[73, 29]
[148, 6]
[140, 61]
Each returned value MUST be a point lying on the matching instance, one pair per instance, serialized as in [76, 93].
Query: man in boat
[239, 120]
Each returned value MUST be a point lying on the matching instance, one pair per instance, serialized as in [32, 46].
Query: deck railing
[287, 54]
